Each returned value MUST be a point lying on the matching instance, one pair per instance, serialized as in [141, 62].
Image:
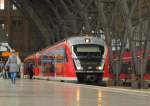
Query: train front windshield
[89, 54]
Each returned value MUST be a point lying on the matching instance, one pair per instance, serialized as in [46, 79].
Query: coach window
[60, 55]
[64, 54]
[40, 59]
[45, 64]
[45, 60]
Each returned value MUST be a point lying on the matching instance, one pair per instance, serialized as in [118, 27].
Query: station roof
[58, 19]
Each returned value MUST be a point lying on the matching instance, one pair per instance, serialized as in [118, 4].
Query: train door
[36, 65]
[39, 66]
[51, 66]
[26, 67]
[45, 65]
[59, 62]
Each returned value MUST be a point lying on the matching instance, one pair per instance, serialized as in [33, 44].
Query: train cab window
[88, 54]
[88, 50]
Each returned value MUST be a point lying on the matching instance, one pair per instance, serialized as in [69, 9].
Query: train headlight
[99, 68]
[79, 68]
[87, 40]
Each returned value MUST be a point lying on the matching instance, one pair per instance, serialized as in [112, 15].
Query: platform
[48, 93]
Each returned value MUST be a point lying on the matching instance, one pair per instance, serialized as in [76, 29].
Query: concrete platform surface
[48, 93]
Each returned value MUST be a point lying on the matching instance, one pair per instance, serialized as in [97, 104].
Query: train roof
[75, 39]
[82, 40]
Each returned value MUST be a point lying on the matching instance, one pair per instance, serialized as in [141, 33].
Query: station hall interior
[81, 46]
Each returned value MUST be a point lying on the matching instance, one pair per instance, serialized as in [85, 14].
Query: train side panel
[106, 75]
[69, 66]
[59, 65]
[36, 67]
[82, 58]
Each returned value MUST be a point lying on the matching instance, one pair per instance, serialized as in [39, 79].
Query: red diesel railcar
[83, 58]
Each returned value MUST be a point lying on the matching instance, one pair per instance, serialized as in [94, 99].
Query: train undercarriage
[89, 78]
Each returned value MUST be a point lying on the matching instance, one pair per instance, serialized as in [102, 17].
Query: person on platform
[1, 67]
[30, 70]
[13, 63]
